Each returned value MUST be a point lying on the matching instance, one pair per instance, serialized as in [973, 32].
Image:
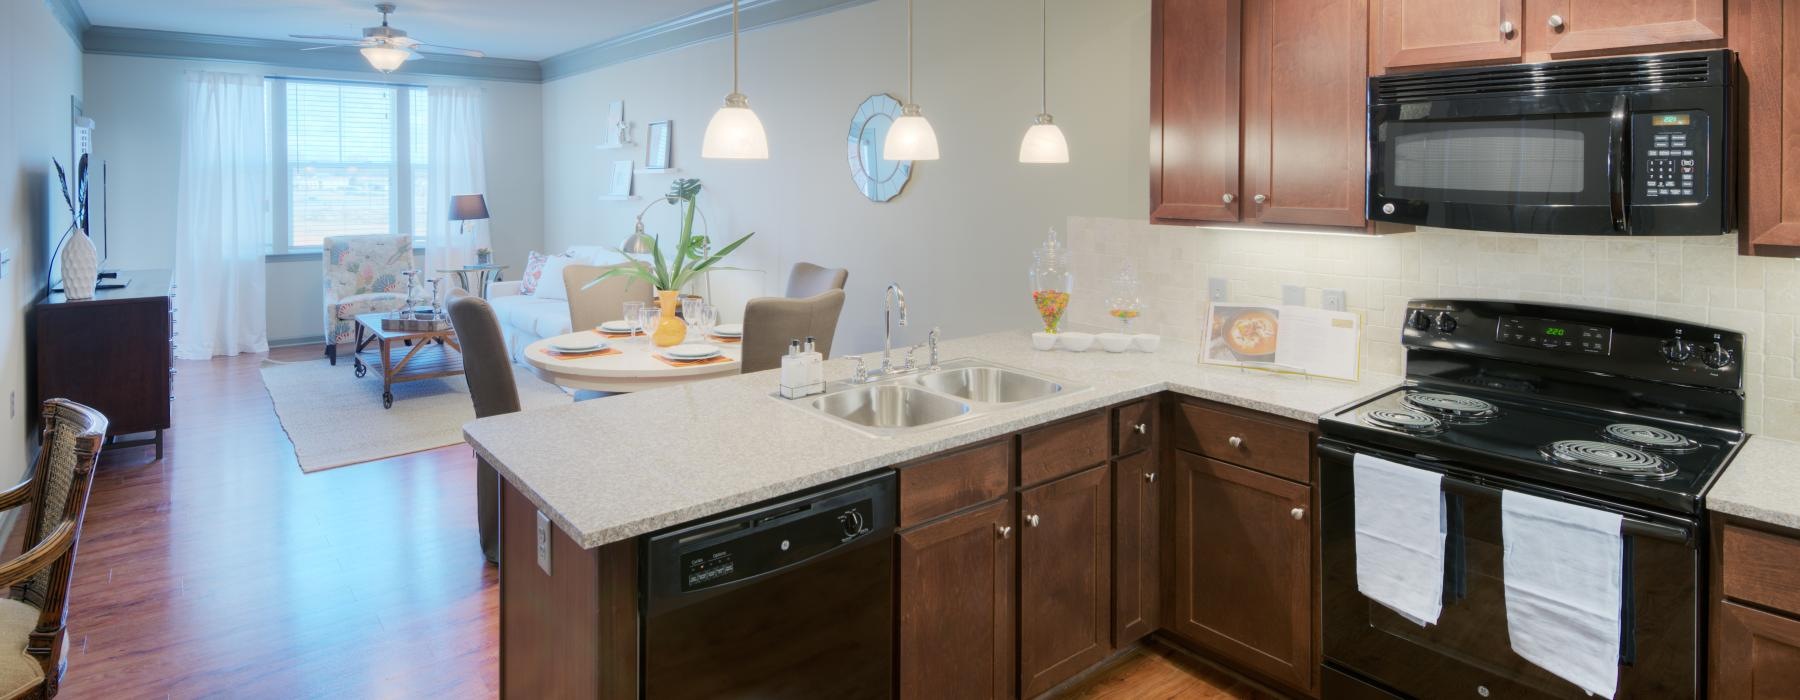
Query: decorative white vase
[80, 266]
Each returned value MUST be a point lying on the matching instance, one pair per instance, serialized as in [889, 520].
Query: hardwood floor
[1156, 671]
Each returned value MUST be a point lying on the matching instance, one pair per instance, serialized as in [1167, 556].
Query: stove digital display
[1550, 334]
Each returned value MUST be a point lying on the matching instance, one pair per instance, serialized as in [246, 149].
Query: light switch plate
[1218, 289]
[1332, 300]
[543, 541]
[1293, 295]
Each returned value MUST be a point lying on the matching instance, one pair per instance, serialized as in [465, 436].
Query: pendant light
[734, 131]
[1044, 142]
[910, 137]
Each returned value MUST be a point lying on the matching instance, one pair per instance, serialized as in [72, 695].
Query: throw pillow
[550, 283]
[534, 269]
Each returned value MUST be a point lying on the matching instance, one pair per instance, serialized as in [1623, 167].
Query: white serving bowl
[1075, 342]
[1147, 342]
[1043, 341]
[1115, 342]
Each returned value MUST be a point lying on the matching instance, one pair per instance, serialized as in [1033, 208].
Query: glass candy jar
[1051, 281]
[1125, 303]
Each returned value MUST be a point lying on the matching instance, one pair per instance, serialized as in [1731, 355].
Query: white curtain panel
[457, 168]
[221, 218]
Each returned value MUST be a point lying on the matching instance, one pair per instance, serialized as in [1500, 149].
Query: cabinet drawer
[954, 481]
[1259, 444]
[1759, 567]
[1133, 425]
[1063, 448]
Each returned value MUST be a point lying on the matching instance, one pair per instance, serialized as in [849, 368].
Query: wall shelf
[620, 197]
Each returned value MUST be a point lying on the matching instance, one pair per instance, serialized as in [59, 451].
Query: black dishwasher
[789, 599]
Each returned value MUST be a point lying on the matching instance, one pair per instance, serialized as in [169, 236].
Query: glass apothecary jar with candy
[1051, 281]
[1126, 302]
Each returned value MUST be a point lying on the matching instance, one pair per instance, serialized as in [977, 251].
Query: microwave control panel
[1672, 153]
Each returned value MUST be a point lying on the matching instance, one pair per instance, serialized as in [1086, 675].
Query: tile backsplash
[1700, 279]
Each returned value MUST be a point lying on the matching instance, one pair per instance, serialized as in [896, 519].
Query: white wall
[40, 70]
[959, 239]
[137, 105]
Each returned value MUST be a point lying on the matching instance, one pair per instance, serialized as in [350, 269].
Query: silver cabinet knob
[1142, 428]
[1236, 441]
[1004, 530]
[1298, 513]
[1506, 28]
[1150, 477]
[1228, 198]
[1556, 21]
[1259, 199]
[1031, 520]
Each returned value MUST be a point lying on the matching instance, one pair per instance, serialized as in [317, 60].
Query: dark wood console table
[112, 352]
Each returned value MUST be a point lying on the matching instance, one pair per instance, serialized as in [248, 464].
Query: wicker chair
[32, 620]
[362, 275]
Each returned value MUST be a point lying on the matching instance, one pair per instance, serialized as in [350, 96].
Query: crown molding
[704, 25]
[69, 14]
[123, 41]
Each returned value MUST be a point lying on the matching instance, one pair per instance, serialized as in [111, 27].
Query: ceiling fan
[386, 47]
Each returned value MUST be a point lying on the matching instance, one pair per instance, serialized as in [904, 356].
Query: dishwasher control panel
[761, 545]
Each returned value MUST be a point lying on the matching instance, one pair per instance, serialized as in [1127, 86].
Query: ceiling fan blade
[325, 37]
[333, 46]
[441, 49]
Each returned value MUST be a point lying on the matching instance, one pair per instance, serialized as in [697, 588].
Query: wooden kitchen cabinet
[1137, 548]
[956, 606]
[1758, 654]
[1243, 577]
[1557, 29]
[1194, 110]
[1766, 36]
[1441, 33]
[1065, 572]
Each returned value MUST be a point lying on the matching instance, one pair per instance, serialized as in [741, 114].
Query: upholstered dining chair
[770, 322]
[489, 374]
[807, 280]
[362, 275]
[604, 301]
[33, 619]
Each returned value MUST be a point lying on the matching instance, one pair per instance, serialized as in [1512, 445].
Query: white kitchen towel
[1400, 538]
[1564, 565]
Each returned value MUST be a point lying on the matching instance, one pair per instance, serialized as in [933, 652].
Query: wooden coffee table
[405, 356]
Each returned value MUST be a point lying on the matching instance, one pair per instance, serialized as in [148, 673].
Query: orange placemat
[582, 355]
[724, 339]
[691, 363]
[614, 336]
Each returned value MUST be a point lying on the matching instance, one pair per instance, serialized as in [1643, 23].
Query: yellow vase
[669, 329]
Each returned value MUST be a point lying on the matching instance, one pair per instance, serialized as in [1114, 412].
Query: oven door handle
[1616, 159]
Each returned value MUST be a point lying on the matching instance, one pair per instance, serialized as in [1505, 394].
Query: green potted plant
[484, 256]
[668, 274]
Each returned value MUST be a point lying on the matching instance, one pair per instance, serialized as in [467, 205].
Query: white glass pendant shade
[386, 59]
[735, 132]
[1044, 143]
[910, 137]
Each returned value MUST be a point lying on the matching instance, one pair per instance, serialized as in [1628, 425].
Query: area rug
[335, 418]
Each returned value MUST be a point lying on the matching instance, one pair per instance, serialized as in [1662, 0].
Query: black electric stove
[1630, 414]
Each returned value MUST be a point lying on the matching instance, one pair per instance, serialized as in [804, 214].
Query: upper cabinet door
[1766, 35]
[1573, 28]
[1305, 112]
[1437, 33]
[1194, 110]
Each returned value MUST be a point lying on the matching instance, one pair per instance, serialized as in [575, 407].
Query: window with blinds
[352, 158]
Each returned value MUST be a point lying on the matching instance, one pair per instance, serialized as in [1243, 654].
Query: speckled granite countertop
[1762, 483]
[618, 467]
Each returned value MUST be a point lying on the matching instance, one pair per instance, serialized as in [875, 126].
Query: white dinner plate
[617, 327]
[692, 351]
[729, 330]
[577, 345]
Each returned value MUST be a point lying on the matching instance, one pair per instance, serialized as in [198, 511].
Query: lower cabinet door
[1137, 572]
[1243, 567]
[1065, 572]
[1756, 654]
[956, 606]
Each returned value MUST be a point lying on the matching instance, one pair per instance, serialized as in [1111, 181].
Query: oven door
[1468, 653]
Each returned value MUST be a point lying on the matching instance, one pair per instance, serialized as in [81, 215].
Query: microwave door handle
[1621, 209]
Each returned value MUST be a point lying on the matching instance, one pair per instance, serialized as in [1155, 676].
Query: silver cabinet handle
[1004, 530]
[1236, 441]
[1556, 21]
[1506, 28]
[1142, 428]
[1228, 198]
[1298, 513]
[1259, 199]
[1150, 477]
[1031, 520]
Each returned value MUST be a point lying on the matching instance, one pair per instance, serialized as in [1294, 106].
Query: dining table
[630, 362]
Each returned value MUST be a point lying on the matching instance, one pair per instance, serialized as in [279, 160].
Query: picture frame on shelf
[657, 140]
[621, 179]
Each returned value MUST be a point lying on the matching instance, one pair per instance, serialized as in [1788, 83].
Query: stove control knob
[1419, 320]
[1717, 356]
[1445, 322]
[1677, 350]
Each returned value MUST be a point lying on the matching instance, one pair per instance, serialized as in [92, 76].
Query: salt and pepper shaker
[802, 371]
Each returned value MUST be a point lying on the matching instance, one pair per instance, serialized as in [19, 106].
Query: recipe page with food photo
[1284, 339]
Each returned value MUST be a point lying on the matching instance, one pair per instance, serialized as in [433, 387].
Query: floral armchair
[362, 275]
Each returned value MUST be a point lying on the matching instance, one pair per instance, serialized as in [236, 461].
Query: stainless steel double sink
[957, 390]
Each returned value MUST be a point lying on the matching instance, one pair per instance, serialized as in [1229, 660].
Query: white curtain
[221, 218]
[457, 168]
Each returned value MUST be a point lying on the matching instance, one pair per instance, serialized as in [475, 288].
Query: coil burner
[1457, 409]
[1608, 458]
[1650, 438]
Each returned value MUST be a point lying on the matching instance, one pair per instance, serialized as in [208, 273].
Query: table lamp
[466, 208]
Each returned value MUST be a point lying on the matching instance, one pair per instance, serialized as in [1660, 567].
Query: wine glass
[632, 309]
[647, 320]
[690, 306]
[706, 316]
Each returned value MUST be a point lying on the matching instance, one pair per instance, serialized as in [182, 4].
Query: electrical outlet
[1293, 295]
[543, 541]
[1218, 289]
[1332, 299]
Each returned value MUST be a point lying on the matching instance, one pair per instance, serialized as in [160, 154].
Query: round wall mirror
[876, 177]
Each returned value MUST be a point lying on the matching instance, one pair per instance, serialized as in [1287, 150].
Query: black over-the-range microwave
[1638, 145]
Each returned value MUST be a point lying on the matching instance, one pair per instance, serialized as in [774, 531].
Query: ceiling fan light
[735, 132]
[1044, 143]
[386, 59]
[910, 137]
